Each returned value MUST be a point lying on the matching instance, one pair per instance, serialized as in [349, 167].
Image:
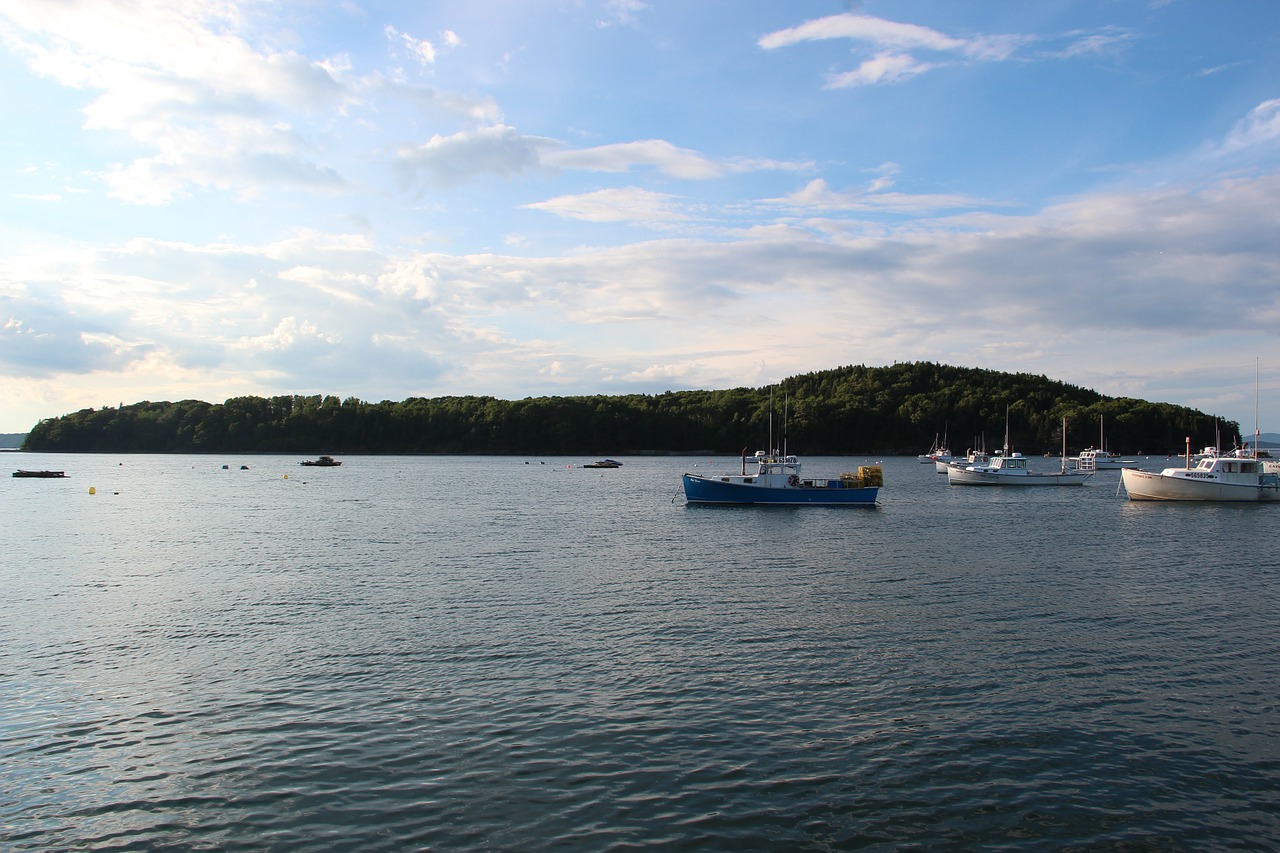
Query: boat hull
[1147, 486]
[714, 490]
[963, 477]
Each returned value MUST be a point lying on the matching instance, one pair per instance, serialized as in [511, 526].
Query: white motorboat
[1214, 478]
[1010, 469]
[971, 457]
[1239, 477]
[939, 454]
[1099, 458]
[1209, 452]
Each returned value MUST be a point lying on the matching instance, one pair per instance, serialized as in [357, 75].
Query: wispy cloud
[1260, 127]
[882, 68]
[502, 150]
[896, 48]
[895, 45]
[878, 195]
[423, 51]
[1108, 41]
[623, 12]
[621, 157]
[446, 161]
[630, 204]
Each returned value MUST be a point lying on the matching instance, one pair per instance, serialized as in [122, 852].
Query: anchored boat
[777, 480]
[1101, 459]
[1010, 469]
[1213, 478]
[1241, 477]
[322, 462]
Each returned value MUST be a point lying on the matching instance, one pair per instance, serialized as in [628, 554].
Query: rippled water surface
[511, 654]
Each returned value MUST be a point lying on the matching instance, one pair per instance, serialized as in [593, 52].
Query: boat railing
[1086, 461]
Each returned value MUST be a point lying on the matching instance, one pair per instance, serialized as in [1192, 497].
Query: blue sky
[392, 199]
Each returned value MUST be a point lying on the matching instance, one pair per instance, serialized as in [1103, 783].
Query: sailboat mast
[1064, 444]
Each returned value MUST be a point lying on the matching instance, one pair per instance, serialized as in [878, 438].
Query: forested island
[898, 409]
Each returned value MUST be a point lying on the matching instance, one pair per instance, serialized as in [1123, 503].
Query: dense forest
[899, 409]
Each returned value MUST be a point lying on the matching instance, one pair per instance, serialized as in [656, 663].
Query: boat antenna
[786, 402]
[1256, 433]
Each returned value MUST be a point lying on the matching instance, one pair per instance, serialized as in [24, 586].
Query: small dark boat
[43, 474]
[604, 463]
[322, 462]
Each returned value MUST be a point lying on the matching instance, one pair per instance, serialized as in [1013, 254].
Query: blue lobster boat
[777, 480]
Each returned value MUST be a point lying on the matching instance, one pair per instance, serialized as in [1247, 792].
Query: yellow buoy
[286, 476]
[92, 490]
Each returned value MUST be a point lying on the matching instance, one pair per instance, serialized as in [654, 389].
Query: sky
[202, 199]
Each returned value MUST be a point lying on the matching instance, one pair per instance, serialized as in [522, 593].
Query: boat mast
[1064, 444]
[1257, 434]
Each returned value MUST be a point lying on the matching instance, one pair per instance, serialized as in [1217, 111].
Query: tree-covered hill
[898, 409]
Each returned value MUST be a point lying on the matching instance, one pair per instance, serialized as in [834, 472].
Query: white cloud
[1096, 44]
[631, 204]
[883, 68]
[445, 161]
[621, 157]
[421, 49]
[332, 312]
[176, 78]
[863, 28]
[622, 12]
[1260, 127]
[816, 195]
[450, 160]
[895, 44]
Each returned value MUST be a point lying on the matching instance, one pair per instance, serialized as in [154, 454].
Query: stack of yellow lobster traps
[867, 475]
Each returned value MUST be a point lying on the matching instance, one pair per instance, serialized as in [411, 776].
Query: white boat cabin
[1002, 463]
[775, 463]
[1227, 465]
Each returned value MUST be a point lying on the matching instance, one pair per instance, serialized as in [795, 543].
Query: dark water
[478, 653]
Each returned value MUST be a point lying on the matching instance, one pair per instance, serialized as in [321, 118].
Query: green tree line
[898, 409]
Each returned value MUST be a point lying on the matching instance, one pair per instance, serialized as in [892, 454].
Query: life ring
[793, 480]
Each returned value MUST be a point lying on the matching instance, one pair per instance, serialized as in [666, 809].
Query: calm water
[479, 653]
